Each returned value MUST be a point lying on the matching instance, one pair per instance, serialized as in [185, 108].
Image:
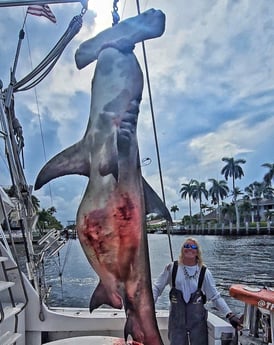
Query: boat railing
[5, 252]
[258, 318]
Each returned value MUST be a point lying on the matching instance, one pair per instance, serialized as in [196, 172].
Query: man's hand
[235, 321]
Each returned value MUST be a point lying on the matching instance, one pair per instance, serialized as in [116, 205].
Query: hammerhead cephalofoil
[111, 217]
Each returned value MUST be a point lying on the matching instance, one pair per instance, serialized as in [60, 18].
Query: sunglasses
[192, 246]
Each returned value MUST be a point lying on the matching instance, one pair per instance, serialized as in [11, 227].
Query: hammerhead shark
[111, 217]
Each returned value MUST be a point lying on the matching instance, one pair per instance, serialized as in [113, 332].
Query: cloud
[211, 77]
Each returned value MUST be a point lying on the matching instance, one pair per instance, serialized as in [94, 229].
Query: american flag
[42, 10]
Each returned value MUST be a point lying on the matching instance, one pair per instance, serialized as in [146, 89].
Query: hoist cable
[155, 132]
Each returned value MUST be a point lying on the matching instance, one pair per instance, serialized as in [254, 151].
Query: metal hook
[84, 8]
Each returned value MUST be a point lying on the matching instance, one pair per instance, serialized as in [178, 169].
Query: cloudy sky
[211, 76]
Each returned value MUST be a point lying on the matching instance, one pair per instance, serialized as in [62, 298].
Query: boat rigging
[13, 137]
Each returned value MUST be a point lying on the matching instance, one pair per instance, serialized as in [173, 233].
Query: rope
[66, 255]
[37, 103]
[155, 133]
[51, 59]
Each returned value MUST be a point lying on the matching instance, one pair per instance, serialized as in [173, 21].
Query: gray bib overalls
[187, 321]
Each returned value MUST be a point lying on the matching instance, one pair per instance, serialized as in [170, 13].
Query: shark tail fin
[133, 328]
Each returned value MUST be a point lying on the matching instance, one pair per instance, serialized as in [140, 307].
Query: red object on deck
[129, 342]
[261, 298]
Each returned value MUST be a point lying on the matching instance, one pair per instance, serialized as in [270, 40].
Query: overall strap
[174, 272]
[201, 276]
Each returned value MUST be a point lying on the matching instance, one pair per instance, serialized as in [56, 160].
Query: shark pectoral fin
[109, 162]
[101, 295]
[153, 203]
[68, 162]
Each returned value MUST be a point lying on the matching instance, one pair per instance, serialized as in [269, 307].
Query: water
[232, 260]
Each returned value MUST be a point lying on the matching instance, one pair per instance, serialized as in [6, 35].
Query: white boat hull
[37, 324]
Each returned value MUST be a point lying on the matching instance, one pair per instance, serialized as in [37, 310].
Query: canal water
[246, 260]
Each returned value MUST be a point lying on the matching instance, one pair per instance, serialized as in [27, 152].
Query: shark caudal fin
[67, 162]
[133, 328]
[140, 333]
[101, 295]
[153, 203]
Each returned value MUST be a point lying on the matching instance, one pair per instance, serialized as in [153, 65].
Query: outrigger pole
[9, 3]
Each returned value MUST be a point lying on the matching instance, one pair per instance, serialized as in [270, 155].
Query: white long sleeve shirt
[188, 284]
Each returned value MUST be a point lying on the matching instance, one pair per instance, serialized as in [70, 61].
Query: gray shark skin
[111, 217]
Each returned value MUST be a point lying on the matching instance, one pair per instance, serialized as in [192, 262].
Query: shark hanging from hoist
[111, 219]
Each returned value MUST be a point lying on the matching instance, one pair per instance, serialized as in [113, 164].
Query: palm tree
[46, 219]
[218, 191]
[186, 192]
[51, 210]
[35, 202]
[269, 176]
[234, 170]
[207, 208]
[228, 211]
[245, 208]
[174, 209]
[257, 191]
[236, 192]
[199, 190]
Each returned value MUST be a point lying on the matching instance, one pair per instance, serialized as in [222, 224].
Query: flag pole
[15, 63]
[19, 44]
